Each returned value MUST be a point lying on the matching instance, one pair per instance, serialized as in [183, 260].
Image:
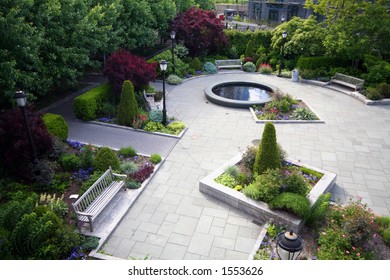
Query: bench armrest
[122, 176]
[83, 214]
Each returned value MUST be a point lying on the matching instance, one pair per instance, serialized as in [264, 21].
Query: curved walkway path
[173, 220]
[114, 137]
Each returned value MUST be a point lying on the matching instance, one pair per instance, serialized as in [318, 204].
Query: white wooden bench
[95, 199]
[228, 63]
[347, 81]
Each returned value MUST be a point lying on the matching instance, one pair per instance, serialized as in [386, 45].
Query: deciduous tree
[122, 65]
[201, 31]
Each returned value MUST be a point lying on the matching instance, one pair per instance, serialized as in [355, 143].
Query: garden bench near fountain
[97, 197]
[347, 81]
[228, 63]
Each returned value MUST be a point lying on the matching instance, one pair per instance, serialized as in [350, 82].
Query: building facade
[277, 10]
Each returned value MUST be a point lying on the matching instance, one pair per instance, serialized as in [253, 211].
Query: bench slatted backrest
[228, 62]
[94, 191]
[349, 79]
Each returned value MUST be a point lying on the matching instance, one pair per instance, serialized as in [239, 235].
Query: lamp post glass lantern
[289, 245]
[284, 36]
[163, 67]
[21, 99]
[173, 35]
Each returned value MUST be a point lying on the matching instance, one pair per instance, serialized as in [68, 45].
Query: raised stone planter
[259, 209]
[320, 120]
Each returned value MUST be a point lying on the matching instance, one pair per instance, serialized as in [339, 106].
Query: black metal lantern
[21, 99]
[284, 36]
[173, 35]
[289, 245]
[163, 67]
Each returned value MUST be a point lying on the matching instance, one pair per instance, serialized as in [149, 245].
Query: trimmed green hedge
[56, 125]
[240, 39]
[86, 106]
[315, 62]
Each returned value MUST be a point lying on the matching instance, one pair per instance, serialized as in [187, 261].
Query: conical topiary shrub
[267, 156]
[105, 158]
[128, 106]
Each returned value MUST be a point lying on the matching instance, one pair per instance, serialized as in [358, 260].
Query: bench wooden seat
[228, 63]
[347, 81]
[97, 197]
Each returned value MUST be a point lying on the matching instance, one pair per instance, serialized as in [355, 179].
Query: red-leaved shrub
[143, 173]
[122, 65]
[15, 148]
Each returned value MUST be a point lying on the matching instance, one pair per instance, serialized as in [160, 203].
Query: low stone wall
[259, 209]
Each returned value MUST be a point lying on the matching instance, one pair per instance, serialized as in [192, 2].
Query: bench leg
[90, 223]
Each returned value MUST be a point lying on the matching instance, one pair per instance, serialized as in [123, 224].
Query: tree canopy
[355, 27]
[201, 31]
[47, 45]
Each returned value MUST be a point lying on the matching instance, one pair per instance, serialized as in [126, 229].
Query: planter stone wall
[258, 209]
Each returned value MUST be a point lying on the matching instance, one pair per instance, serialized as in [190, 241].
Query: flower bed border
[135, 193]
[259, 209]
[141, 130]
[320, 120]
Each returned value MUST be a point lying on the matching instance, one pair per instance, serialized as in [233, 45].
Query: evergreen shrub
[174, 80]
[267, 156]
[209, 68]
[155, 115]
[70, 162]
[87, 105]
[105, 158]
[128, 106]
[249, 67]
[56, 125]
[269, 185]
[196, 64]
[292, 202]
[295, 183]
[312, 63]
[319, 210]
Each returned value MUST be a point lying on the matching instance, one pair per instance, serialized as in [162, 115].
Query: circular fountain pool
[239, 94]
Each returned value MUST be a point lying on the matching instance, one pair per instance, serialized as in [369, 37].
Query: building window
[292, 12]
[273, 15]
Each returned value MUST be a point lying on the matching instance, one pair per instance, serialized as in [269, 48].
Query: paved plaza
[171, 219]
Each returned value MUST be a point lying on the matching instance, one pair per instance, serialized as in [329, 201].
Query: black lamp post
[284, 36]
[173, 35]
[21, 100]
[289, 245]
[283, 19]
[163, 67]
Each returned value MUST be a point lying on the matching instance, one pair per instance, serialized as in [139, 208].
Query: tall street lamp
[21, 100]
[173, 35]
[284, 36]
[289, 245]
[283, 19]
[163, 67]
